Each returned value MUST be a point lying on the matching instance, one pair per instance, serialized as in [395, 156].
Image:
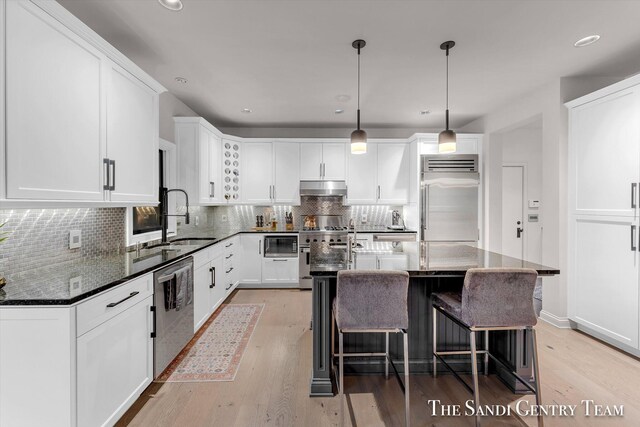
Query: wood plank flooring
[272, 384]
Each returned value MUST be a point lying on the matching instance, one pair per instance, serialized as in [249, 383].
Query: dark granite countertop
[418, 259]
[50, 285]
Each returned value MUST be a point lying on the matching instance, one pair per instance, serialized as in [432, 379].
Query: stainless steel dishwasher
[173, 311]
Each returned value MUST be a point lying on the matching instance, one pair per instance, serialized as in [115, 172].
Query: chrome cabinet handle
[131, 295]
[228, 287]
[227, 257]
[229, 270]
[212, 189]
[229, 245]
[107, 180]
[378, 197]
[633, 238]
[279, 260]
[274, 192]
[113, 175]
[633, 195]
[320, 170]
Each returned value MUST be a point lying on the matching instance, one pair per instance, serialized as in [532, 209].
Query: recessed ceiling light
[174, 5]
[339, 111]
[586, 41]
[425, 112]
[245, 110]
[181, 80]
[343, 98]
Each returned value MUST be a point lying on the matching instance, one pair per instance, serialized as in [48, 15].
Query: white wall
[524, 146]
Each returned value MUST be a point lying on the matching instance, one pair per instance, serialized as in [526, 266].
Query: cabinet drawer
[92, 313]
[202, 257]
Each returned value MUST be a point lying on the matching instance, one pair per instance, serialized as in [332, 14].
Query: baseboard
[558, 322]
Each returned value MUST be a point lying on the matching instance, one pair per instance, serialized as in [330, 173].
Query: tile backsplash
[37, 237]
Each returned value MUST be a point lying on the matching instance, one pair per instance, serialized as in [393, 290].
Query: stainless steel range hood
[323, 188]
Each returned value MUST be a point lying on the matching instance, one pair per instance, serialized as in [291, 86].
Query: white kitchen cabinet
[334, 159]
[132, 138]
[54, 138]
[257, 181]
[71, 102]
[393, 173]
[216, 289]
[393, 262]
[251, 254]
[202, 279]
[365, 262]
[286, 170]
[607, 135]
[362, 185]
[280, 271]
[604, 171]
[114, 365]
[465, 144]
[323, 161]
[231, 262]
[199, 160]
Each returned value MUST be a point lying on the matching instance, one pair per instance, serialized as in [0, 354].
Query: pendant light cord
[447, 118]
[358, 88]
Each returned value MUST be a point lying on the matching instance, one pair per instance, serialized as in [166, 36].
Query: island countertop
[417, 258]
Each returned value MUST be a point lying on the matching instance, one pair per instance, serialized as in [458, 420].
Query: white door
[280, 270]
[53, 109]
[214, 186]
[393, 174]
[512, 207]
[202, 279]
[334, 159]
[361, 180]
[310, 161]
[286, 158]
[250, 250]
[607, 154]
[114, 365]
[205, 188]
[257, 175]
[606, 298]
[132, 137]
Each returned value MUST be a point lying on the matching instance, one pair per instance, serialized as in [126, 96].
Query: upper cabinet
[323, 161]
[81, 120]
[286, 172]
[132, 138]
[232, 157]
[199, 160]
[380, 176]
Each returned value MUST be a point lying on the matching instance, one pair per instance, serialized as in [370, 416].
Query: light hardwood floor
[272, 383]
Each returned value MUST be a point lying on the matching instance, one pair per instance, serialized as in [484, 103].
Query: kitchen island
[432, 267]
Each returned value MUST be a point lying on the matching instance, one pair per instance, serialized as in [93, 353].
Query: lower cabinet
[381, 262]
[251, 257]
[279, 270]
[114, 365]
[203, 277]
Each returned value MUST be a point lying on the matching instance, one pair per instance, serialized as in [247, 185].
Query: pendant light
[447, 138]
[358, 136]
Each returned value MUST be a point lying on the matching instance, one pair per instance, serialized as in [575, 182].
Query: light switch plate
[534, 203]
[533, 217]
[75, 239]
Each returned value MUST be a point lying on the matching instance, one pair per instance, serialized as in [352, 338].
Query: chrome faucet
[164, 214]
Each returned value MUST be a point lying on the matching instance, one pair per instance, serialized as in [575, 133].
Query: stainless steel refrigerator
[449, 188]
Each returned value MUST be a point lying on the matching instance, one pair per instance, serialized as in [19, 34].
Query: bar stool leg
[386, 351]
[536, 372]
[407, 413]
[341, 374]
[434, 343]
[486, 355]
[474, 374]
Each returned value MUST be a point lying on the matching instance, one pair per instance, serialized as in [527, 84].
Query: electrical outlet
[363, 218]
[75, 239]
[75, 286]
[197, 221]
[224, 218]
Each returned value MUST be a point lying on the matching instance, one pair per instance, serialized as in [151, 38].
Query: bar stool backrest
[499, 297]
[372, 299]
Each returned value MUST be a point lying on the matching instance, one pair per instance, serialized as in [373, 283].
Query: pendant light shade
[358, 136]
[447, 138]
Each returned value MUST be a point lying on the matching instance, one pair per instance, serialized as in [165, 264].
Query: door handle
[107, 178]
[113, 175]
[633, 195]
[633, 238]
[213, 277]
[519, 230]
[131, 295]
[153, 310]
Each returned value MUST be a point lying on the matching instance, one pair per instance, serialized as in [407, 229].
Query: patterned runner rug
[215, 352]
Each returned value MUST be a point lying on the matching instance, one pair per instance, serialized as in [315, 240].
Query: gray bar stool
[371, 301]
[492, 299]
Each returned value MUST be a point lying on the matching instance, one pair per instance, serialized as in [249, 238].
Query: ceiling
[288, 61]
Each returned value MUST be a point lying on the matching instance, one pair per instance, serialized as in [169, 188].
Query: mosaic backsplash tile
[38, 237]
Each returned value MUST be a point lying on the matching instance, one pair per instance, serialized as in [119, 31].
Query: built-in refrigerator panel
[449, 198]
